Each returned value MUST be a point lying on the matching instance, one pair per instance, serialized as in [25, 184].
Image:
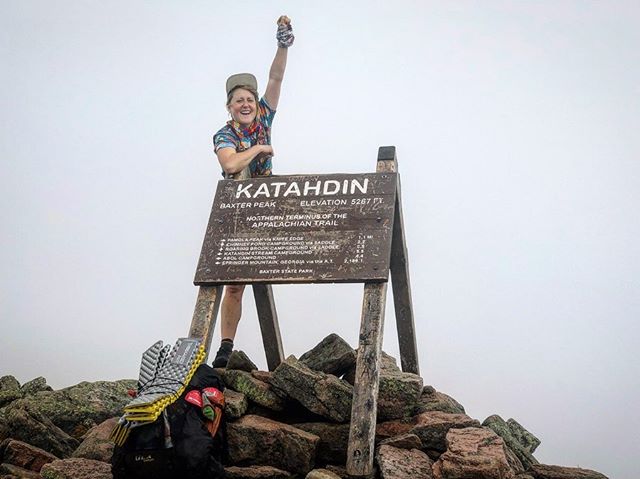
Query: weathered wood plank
[360, 453]
[205, 314]
[387, 160]
[362, 433]
[401, 283]
[268, 318]
[400, 279]
[299, 237]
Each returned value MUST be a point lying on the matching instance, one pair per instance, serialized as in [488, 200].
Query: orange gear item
[212, 408]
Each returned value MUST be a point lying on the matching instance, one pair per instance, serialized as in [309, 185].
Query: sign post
[315, 229]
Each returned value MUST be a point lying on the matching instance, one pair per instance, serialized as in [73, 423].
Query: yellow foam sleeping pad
[159, 385]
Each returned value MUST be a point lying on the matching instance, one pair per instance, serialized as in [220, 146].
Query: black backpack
[193, 452]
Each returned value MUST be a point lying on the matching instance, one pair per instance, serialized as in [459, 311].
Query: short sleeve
[224, 139]
[266, 113]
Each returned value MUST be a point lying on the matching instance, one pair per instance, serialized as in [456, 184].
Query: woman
[245, 141]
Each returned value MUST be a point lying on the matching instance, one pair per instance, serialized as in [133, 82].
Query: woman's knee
[234, 291]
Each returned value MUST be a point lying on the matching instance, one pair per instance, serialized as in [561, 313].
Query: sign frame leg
[269, 327]
[205, 314]
[362, 433]
[399, 269]
[401, 284]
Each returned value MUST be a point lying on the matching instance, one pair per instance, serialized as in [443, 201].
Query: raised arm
[276, 73]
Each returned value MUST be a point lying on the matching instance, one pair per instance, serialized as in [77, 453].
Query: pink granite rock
[543, 471]
[397, 463]
[432, 427]
[76, 468]
[256, 472]
[473, 452]
[255, 440]
[25, 455]
[96, 443]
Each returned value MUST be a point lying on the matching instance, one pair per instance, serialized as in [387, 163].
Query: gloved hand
[285, 32]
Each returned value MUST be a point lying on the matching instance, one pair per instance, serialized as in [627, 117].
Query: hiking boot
[222, 356]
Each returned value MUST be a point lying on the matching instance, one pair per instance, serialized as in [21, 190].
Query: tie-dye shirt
[226, 137]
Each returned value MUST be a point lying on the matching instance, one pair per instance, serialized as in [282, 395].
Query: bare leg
[231, 311]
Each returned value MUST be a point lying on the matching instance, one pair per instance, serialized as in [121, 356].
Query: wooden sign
[326, 228]
[299, 229]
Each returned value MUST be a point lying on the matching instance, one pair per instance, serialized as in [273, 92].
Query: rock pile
[289, 423]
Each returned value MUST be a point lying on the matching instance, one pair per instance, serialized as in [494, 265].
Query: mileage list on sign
[299, 229]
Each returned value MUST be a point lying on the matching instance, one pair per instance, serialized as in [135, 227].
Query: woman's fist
[285, 32]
